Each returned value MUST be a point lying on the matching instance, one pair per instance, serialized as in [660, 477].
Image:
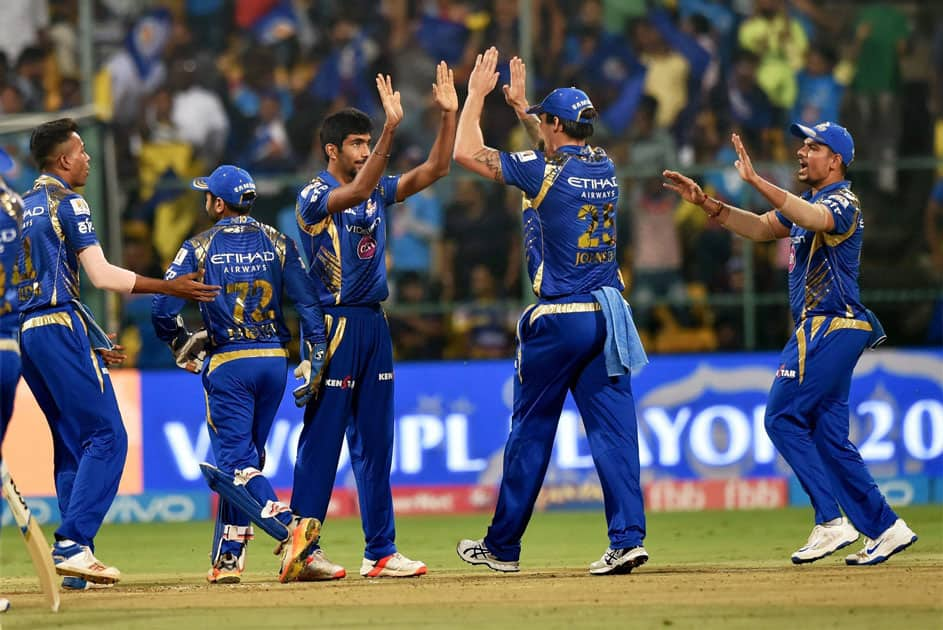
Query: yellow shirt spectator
[780, 43]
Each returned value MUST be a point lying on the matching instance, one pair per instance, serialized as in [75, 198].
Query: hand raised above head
[744, 164]
[443, 90]
[514, 92]
[483, 76]
[390, 100]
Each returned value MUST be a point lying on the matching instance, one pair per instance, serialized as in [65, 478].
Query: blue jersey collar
[824, 191]
[330, 179]
[575, 149]
[245, 218]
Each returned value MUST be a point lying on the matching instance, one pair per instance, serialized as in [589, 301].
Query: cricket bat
[35, 541]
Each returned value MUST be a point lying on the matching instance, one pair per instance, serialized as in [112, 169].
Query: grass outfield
[707, 570]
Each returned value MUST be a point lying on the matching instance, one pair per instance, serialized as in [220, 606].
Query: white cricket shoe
[617, 561]
[395, 565]
[475, 552]
[895, 538]
[319, 567]
[78, 561]
[824, 541]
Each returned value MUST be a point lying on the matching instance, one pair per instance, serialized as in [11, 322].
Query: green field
[707, 570]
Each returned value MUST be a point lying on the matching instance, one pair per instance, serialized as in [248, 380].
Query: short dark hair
[341, 124]
[246, 209]
[574, 129]
[47, 137]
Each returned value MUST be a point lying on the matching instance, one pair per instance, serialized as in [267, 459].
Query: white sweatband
[811, 216]
[103, 274]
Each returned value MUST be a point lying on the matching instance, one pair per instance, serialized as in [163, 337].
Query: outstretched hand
[390, 100]
[443, 90]
[514, 93]
[483, 76]
[744, 164]
[190, 286]
[689, 190]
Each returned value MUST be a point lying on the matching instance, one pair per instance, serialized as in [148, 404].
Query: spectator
[820, 90]
[779, 42]
[483, 328]
[417, 334]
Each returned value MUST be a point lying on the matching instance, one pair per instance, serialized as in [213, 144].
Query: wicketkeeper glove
[189, 348]
[309, 370]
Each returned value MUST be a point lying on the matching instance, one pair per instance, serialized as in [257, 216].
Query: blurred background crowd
[188, 84]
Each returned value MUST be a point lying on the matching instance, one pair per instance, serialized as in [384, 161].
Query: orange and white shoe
[294, 550]
[318, 567]
[228, 569]
[395, 565]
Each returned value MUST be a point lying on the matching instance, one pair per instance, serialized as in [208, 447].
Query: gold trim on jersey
[801, 349]
[559, 309]
[836, 239]
[552, 170]
[313, 229]
[9, 345]
[517, 333]
[201, 246]
[338, 335]
[279, 242]
[817, 322]
[60, 318]
[539, 278]
[223, 358]
[337, 273]
[840, 323]
[98, 370]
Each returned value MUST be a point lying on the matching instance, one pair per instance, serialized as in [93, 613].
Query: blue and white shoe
[78, 584]
[75, 560]
[895, 539]
[619, 561]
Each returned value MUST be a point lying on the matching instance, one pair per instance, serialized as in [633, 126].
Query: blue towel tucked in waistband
[624, 351]
[97, 337]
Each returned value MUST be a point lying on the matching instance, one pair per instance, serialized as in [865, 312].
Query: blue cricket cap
[6, 162]
[564, 103]
[230, 183]
[832, 135]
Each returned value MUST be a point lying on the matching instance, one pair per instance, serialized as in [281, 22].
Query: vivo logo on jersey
[356, 229]
[242, 259]
[592, 184]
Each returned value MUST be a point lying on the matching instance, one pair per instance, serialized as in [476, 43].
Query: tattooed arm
[470, 149]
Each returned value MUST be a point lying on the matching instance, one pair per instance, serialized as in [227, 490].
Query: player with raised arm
[243, 345]
[342, 221]
[807, 409]
[580, 336]
[59, 340]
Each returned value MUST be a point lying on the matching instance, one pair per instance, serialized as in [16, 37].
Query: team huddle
[578, 337]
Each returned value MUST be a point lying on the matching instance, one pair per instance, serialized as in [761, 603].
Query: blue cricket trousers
[560, 349]
[10, 368]
[74, 390]
[243, 388]
[807, 418]
[356, 398]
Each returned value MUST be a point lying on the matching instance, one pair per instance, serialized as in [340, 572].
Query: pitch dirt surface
[755, 586]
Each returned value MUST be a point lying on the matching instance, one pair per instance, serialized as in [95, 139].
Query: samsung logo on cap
[244, 187]
[581, 105]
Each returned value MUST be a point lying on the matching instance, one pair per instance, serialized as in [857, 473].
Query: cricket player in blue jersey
[65, 354]
[342, 222]
[11, 209]
[579, 336]
[807, 409]
[243, 345]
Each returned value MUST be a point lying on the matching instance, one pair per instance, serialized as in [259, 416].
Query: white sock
[835, 522]
[65, 542]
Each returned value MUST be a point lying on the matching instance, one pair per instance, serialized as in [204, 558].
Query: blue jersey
[823, 266]
[346, 250]
[11, 208]
[253, 263]
[57, 225]
[569, 207]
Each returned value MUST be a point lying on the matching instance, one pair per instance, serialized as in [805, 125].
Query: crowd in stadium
[199, 82]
